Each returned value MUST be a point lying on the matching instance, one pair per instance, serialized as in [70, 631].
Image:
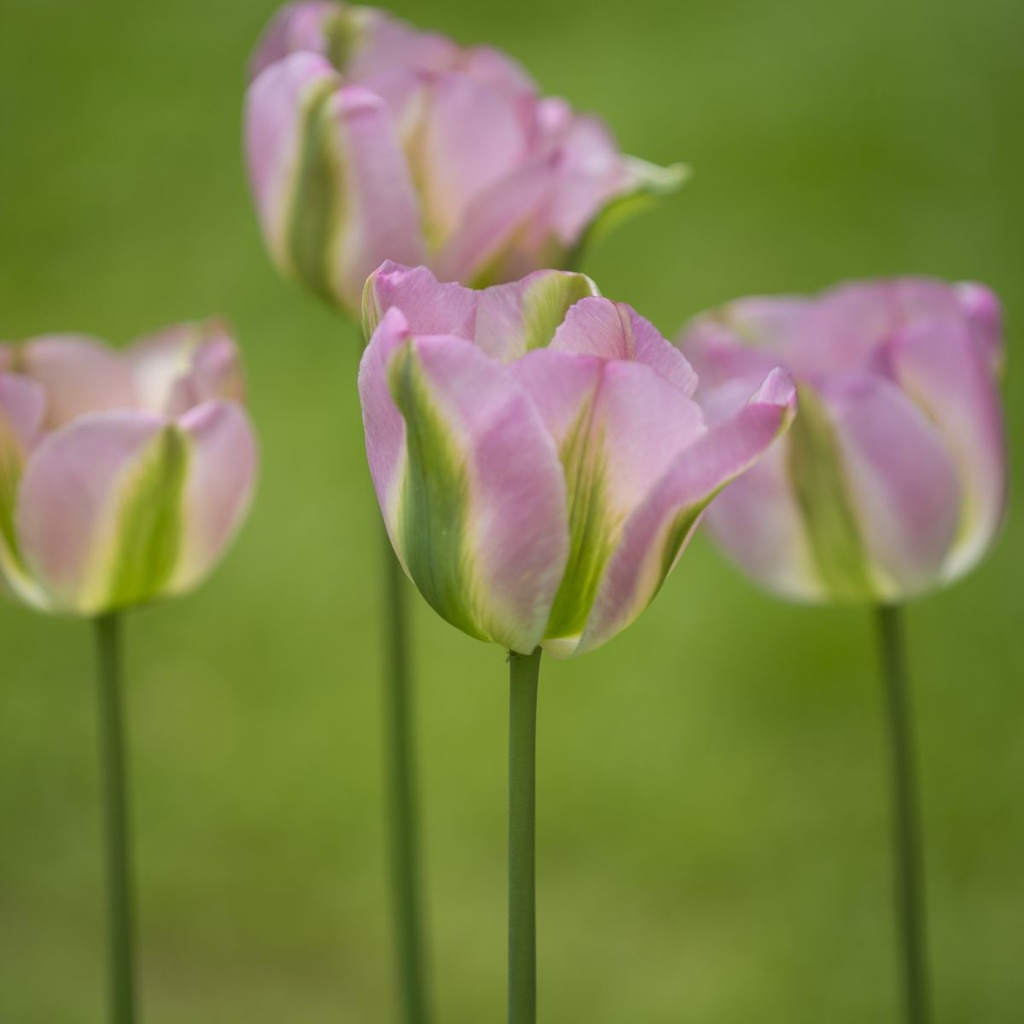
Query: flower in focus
[893, 478]
[538, 457]
[369, 140]
[123, 474]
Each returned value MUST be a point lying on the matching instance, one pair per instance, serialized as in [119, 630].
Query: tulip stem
[113, 780]
[908, 858]
[522, 844]
[404, 826]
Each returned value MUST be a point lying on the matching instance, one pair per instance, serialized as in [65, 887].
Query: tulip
[123, 474]
[892, 481]
[538, 457]
[369, 140]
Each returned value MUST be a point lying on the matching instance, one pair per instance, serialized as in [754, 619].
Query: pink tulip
[893, 479]
[369, 140]
[123, 474]
[538, 457]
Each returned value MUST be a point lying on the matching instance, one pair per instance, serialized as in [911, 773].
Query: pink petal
[902, 482]
[382, 422]
[613, 330]
[498, 70]
[618, 426]
[591, 172]
[22, 406]
[71, 500]
[186, 365]
[382, 42]
[428, 306]
[472, 138]
[985, 315]
[512, 522]
[379, 218]
[218, 490]
[278, 106]
[514, 318]
[657, 532]
[295, 27]
[485, 248]
[722, 351]
[79, 374]
[943, 369]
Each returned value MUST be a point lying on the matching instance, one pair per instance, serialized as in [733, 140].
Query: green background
[712, 809]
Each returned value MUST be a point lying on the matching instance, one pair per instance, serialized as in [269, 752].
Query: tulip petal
[484, 249]
[901, 484]
[949, 375]
[498, 70]
[282, 104]
[378, 215]
[22, 407]
[480, 518]
[985, 314]
[79, 374]
[515, 318]
[376, 42]
[470, 136]
[218, 488]
[655, 535]
[613, 330]
[618, 426]
[427, 305]
[296, 27]
[184, 366]
[99, 510]
[383, 424]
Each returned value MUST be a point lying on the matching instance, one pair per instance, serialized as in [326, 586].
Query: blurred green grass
[713, 812]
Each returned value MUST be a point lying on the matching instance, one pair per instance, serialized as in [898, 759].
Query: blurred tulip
[893, 478]
[369, 140]
[536, 452]
[123, 474]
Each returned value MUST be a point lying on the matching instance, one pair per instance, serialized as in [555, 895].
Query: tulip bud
[123, 474]
[892, 481]
[369, 140]
[538, 457]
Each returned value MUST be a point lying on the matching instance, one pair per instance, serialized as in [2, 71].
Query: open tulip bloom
[891, 483]
[369, 140]
[540, 464]
[123, 477]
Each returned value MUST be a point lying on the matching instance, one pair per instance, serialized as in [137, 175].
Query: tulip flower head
[537, 454]
[369, 140]
[893, 479]
[123, 474]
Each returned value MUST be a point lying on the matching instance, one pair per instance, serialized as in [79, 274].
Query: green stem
[908, 858]
[404, 831]
[522, 842]
[113, 781]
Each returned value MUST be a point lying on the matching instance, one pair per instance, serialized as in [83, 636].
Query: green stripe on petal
[318, 195]
[344, 37]
[148, 537]
[593, 531]
[545, 303]
[434, 500]
[814, 463]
